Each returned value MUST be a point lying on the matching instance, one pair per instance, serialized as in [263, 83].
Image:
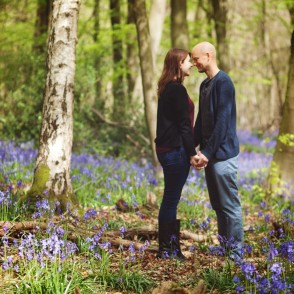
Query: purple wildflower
[276, 269]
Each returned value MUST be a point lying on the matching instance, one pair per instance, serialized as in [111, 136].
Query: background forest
[253, 43]
[84, 219]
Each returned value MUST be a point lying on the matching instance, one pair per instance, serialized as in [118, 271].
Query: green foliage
[287, 139]
[134, 281]
[54, 278]
[222, 280]
[22, 74]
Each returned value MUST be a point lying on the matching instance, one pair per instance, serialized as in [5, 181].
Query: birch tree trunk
[52, 170]
[147, 71]
[283, 161]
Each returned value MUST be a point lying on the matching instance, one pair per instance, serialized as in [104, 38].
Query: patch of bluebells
[5, 197]
[205, 225]
[95, 245]
[21, 156]
[119, 174]
[43, 206]
[274, 282]
[275, 279]
[90, 214]
[248, 138]
[52, 248]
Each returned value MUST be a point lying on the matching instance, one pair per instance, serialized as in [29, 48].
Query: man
[215, 132]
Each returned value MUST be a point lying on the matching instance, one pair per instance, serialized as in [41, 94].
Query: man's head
[204, 57]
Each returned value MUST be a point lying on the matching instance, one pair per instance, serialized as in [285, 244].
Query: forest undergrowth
[110, 247]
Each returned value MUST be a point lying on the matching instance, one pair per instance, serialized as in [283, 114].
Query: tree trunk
[132, 55]
[283, 161]
[179, 27]
[41, 26]
[156, 21]
[220, 10]
[96, 17]
[147, 71]
[52, 170]
[117, 55]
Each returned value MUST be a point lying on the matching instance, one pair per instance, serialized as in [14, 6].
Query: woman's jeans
[176, 166]
[221, 179]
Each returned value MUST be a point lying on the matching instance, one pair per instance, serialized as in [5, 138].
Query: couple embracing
[214, 135]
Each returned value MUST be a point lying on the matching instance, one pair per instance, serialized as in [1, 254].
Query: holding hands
[199, 161]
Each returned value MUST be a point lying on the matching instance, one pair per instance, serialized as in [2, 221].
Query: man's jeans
[176, 166]
[221, 179]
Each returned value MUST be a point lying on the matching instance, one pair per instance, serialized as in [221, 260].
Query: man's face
[200, 60]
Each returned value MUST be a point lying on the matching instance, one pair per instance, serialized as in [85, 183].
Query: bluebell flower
[286, 250]
[267, 218]
[132, 249]
[192, 248]
[165, 254]
[276, 268]
[262, 204]
[246, 249]
[122, 230]
[5, 266]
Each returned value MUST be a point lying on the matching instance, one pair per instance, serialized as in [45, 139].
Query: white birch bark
[52, 171]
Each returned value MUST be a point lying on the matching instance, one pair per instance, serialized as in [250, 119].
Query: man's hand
[194, 160]
[201, 162]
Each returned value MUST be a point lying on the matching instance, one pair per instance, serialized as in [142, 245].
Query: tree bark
[52, 170]
[147, 71]
[132, 54]
[41, 26]
[220, 11]
[283, 160]
[179, 26]
[156, 21]
[117, 55]
[97, 57]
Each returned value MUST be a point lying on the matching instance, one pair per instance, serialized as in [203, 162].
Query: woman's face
[185, 66]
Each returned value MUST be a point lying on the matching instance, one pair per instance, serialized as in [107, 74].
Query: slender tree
[41, 25]
[156, 21]
[283, 161]
[117, 54]
[220, 11]
[132, 53]
[52, 170]
[97, 57]
[147, 70]
[179, 26]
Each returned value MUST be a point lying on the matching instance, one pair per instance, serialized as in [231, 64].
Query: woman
[174, 146]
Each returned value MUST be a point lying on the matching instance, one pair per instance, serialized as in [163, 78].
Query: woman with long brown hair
[174, 146]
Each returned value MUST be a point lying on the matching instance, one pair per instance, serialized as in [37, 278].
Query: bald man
[215, 132]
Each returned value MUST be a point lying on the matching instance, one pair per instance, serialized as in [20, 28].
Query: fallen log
[140, 233]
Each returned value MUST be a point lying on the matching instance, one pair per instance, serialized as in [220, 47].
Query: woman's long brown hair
[171, 68]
